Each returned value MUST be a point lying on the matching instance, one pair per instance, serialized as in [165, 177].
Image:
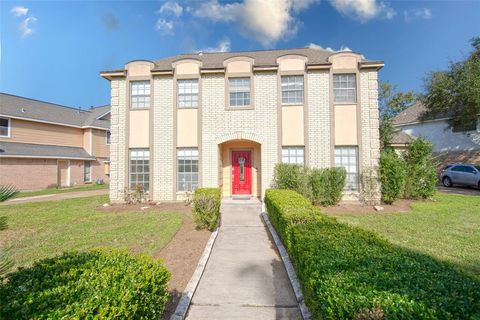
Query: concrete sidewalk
[57, 196]
[244, 277]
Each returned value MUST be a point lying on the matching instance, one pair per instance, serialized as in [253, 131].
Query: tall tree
[456, 91]
[391, 102]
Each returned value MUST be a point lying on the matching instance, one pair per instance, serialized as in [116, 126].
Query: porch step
[241, 197]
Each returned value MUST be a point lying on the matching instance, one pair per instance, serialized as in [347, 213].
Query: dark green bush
[100, 284]
[350, 273]
[392, 176]
[421, 175]
[327, 185]
[292, 177]
[206, 207]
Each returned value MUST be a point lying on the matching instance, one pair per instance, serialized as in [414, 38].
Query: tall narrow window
[187, 169]
[107, 137]
[4, 127]
[187, 93]
[344, 88]
[347, 158]
[87, 177]
[239, 89]
[292, 89]
[293, 155]
[140, 94]
[140, 168]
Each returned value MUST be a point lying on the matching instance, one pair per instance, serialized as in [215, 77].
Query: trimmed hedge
[100, 284]
[206, 207]
[349, 273]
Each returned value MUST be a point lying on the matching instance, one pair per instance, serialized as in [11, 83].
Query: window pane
[187, 169]
[346, 157]
[294, 155]
[344, 88]
[139, 94]
[139, 168]
[239, 90]
[292, 89]
[187, 96]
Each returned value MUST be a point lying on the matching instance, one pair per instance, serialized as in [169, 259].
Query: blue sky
[55, 50]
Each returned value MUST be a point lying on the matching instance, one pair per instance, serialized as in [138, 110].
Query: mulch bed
[401, 205]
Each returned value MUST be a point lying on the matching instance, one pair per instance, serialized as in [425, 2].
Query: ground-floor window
[187, 169]
[87, 177]
[347, 157]
[293, 155]
[140, 168]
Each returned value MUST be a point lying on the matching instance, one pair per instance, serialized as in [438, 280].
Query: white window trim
[303, 90]
[355, 88]
[178, 94]
[244, 106]
[89, 172]
[106, 137]
[132, 82]
[9, 127]
[296, 148]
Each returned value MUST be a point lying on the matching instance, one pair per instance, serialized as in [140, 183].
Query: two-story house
[226, 119]
[44, 144]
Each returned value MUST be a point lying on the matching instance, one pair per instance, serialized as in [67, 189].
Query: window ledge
[250, 107]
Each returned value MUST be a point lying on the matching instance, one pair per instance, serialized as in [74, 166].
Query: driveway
[459, 190]
[57, 196]
[244, 277]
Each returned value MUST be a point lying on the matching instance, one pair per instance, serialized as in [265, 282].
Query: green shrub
[206, 207]
[100, 284]
[421, 175]
[349, 273]
[292, 177]
[327, 185]
[392, 176]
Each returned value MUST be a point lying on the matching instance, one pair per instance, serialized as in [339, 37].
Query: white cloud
[222, 46]
[164, 26]
[266, 21]
[171, 7]
[420, 13]
[19, 11]
[312, 45]
[363, 10]
[26, 27]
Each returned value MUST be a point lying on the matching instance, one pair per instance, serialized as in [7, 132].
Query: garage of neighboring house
[34, 166]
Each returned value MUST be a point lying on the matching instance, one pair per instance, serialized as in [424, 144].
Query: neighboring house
[226, 119]
[457, 144]
[44, 144]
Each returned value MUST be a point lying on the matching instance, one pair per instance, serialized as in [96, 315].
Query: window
[187, 169]
[140, 94]
[187, 93]
[292, 89]
[4, 127]
[344, 88]
[346, 157]
[87, 172]
[107, 137]
[293, 155]
[140, 168]
[239, 92]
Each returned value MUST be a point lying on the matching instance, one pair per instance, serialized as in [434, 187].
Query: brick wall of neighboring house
[98, 170]
[28, 174]
[76, 172]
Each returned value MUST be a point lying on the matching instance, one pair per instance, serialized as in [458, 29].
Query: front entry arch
[241, 172]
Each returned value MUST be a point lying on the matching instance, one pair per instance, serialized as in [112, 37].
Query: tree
[6, 192]
[391, 102]
[456, 91]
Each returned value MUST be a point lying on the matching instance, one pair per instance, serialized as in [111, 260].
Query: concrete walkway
[57, 196]
[244, 277]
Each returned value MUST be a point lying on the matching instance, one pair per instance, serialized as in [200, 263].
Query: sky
[54, 51]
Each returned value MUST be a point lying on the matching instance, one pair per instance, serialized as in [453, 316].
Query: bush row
[206, 207]
[98, 284]
[350, 273]
[321, 186]
[411, 175]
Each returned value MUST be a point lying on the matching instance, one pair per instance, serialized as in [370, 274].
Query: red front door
[241, 172]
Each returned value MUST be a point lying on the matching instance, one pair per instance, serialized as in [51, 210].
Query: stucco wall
[442, 137]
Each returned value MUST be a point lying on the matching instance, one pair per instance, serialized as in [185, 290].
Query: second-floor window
[4, 127]
[292, 89]
[187, 93]
[344, 88]
[239, 91]
[140, 94]
[107, 137]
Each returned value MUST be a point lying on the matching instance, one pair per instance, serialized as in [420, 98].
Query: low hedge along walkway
[349, 273]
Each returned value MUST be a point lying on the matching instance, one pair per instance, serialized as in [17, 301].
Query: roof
[401, 138]
[416, 113]
[26, 108]
[29, 150]
[262, 58]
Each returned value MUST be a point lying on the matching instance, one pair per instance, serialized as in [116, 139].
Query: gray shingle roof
[15, 106]
[416, 113]
[400, 137]
[12, 149]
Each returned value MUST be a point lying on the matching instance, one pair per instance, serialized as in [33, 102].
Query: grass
[86, 187]
[446, 229]
[44, 229]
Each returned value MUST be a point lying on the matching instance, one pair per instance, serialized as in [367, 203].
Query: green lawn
[44, 229]
[447, 229]
[61, 190]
